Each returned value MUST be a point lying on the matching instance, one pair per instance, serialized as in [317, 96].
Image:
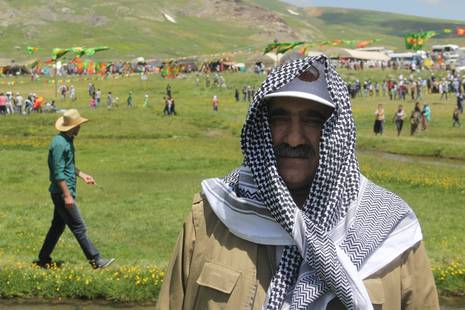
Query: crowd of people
[400, 89]
[18, 104]
[418, 116]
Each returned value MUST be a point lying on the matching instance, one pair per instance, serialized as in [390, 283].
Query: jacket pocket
[216, 285]
[375, 291]
[218, 277]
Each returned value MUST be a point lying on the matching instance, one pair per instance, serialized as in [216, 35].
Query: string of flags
[416, 40]
[283, 47]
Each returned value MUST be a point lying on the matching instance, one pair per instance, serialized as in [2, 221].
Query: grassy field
[148, 166]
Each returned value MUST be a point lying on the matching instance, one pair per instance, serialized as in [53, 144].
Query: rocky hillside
[171, 28]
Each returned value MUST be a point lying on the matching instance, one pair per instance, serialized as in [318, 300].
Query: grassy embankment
[148, 166]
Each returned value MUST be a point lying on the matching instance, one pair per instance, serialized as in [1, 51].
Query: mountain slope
[143, 27]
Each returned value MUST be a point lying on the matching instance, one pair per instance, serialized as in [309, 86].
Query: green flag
[416, 40]
[31, 50]
[281, 47]
[92, 50]
[59, 52]
[79, 51]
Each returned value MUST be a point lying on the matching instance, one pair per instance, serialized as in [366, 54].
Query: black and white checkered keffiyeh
[334, 186]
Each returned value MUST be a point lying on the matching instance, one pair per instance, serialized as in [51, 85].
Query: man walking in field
[63, 173]
[297, 226]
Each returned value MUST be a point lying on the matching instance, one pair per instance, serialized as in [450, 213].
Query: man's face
[295, 128]
[74, 131]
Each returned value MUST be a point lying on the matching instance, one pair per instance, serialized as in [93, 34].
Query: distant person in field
[168, 90]
[456, 118]
[399, 119]
[215, 103]
[92, 102]
[415, 118]
[63, 175]
[3, 104]
[237, 95]
[425, 116]
[50, 106]
[9, 102]
[19, 102]
[460, 100]
[166, 109]
[109, 100]
[130, 100]
[296, 225]
[172, 106]
[63, 91]
[91, 89]
[146, 101]
[72, 93]
[443, 89]
[378, 126]
[98, 97]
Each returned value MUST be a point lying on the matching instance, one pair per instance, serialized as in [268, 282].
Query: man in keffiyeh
[297, 226]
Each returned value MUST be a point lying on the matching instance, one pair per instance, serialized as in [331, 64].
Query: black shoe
[47, 264]
[100, 263]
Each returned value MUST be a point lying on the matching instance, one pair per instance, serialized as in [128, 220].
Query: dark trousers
[72, 218]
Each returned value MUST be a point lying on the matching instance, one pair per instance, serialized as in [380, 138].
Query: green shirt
[61, 163]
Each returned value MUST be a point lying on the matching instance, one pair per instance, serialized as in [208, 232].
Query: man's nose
[295, 134]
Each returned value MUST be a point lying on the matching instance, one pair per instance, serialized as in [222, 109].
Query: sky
[444, 9]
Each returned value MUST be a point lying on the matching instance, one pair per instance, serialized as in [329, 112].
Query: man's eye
[278, 118]
[313, 120]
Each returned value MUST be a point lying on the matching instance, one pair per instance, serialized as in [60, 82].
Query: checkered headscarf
[334, 186]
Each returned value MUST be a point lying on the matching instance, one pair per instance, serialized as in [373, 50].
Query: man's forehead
[298, 104]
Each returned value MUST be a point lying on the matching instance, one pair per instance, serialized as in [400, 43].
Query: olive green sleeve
[172, 292]
[418, 287]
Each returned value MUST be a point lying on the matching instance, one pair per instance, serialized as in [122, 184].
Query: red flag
[363, 43]
[460, 31]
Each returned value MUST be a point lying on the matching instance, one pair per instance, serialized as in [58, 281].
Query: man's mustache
[304, 151]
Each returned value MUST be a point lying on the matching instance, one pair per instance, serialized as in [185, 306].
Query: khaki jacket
[213, 269]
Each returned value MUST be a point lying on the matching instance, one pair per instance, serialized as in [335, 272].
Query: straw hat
[70, 119]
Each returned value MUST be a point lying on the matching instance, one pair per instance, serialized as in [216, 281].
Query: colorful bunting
[79, 51]
[92, 50]
[31, 50]
[460, 31]
[57, 53]
[281, 48]
[363, 43]
[415, 41]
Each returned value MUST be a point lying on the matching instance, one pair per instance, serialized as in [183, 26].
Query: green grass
[148, 166]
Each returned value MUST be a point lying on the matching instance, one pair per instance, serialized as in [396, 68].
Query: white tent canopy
[356, 54]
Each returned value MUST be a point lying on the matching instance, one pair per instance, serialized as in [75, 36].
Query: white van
[449, 52]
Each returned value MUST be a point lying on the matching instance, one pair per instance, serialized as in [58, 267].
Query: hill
[162, 28]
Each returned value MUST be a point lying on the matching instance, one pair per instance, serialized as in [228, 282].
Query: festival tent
[356, 54]
[234, 65]
[154, 62]
[187, 64]
[10, 66]
[276, 57]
